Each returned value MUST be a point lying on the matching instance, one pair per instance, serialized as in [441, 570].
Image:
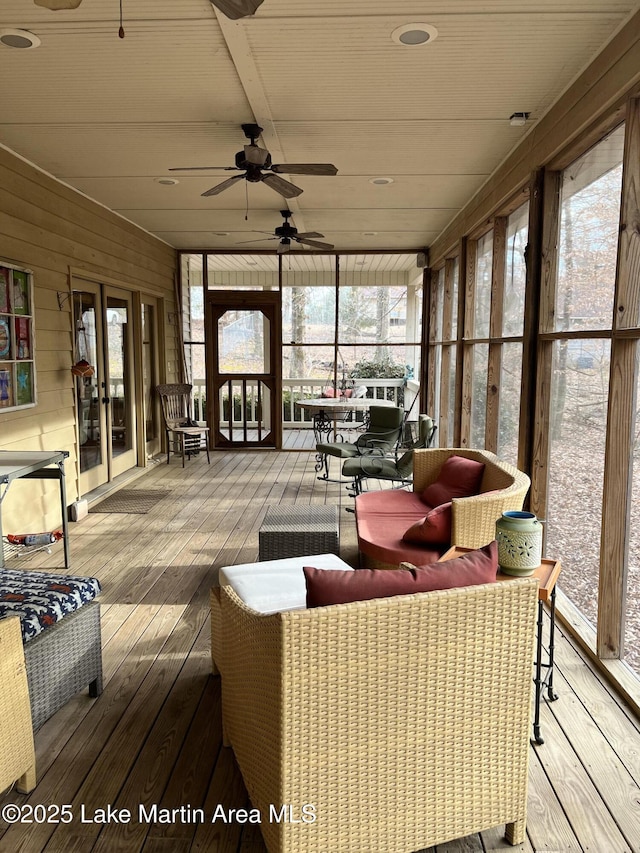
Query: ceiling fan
[256, 165]
[286, 232]
[233, 9]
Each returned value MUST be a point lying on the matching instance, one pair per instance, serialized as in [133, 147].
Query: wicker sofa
[383, 516]
[387, 725]
[17, 752]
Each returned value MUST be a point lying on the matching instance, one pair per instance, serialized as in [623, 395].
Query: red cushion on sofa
[337, 587]
[459, 477]
[435, 527]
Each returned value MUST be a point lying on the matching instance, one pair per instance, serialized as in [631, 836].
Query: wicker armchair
[403, 722]
[17, 754]
[473, 519]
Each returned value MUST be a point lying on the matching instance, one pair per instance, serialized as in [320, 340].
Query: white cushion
[276, 585]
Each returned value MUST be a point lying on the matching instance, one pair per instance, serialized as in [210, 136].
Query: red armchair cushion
[459, 477]
[434, 528]
[337, 587]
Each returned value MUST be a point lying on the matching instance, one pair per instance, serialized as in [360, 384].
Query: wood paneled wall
[52, 230]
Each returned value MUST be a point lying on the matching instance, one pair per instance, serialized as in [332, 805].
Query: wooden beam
[494, 365]
[533, 256]
[550, 240]
[621, 414]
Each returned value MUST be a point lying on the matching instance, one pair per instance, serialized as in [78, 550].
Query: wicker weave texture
[403, 721]
[17, 754]
[64, 659]
[295, 531]
[473, 519]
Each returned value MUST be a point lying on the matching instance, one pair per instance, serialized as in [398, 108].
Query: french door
[244, 384]
[149, 315]
[105, 397]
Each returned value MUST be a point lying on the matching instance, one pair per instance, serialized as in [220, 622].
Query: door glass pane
[243, 342]
[117, 358]
[589, 225]
[576, 468]
[150, 379]
[88, 386]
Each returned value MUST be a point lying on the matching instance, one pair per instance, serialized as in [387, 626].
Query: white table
[35, 464]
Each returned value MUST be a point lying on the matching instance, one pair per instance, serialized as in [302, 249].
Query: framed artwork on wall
[17, 365]
[5, 278]
[6, 388]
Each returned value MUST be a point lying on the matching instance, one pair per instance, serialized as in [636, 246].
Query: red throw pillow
[434, 528]
[336, 587]
[459, 477]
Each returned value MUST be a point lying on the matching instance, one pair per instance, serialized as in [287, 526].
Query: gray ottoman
[293, 531]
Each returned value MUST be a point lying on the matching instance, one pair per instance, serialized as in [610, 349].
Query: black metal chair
[380, 438]
[397, 469]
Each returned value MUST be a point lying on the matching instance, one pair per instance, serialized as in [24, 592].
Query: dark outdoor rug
[136, 501]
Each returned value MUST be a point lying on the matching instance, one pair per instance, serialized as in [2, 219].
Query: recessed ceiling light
[369, 233]
[19, 38]
[167, 182]
[380, 181]
[252, 263]
[518, 119]
[414, 35]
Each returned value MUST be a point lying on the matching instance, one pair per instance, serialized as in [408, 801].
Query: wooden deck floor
[154, 735]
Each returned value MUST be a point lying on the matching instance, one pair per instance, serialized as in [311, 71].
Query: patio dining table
[328, 411]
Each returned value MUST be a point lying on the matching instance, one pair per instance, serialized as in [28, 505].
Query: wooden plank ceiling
[324, 79]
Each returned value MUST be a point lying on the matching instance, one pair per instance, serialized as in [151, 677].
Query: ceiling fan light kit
[255, 163]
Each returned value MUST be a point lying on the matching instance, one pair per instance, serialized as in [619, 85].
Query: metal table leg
[547, 681]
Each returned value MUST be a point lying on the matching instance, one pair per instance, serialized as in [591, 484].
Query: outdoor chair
[184, 435]
[398, 469]
[380, 438]
[17, 754]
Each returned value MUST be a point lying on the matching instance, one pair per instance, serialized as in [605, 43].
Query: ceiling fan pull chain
[121, 30]
[246, 209]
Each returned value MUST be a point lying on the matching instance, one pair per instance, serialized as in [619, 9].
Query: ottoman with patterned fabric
[60, 624]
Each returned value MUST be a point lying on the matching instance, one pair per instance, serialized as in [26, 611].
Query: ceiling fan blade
[257, 240]
[223, 186]
[235, 9]
[304, 169]
[202, 168]
[56, 5]
[314, 243]
[308, 234]
[281, 186]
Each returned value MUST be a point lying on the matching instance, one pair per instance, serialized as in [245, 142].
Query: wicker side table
[295, 531]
